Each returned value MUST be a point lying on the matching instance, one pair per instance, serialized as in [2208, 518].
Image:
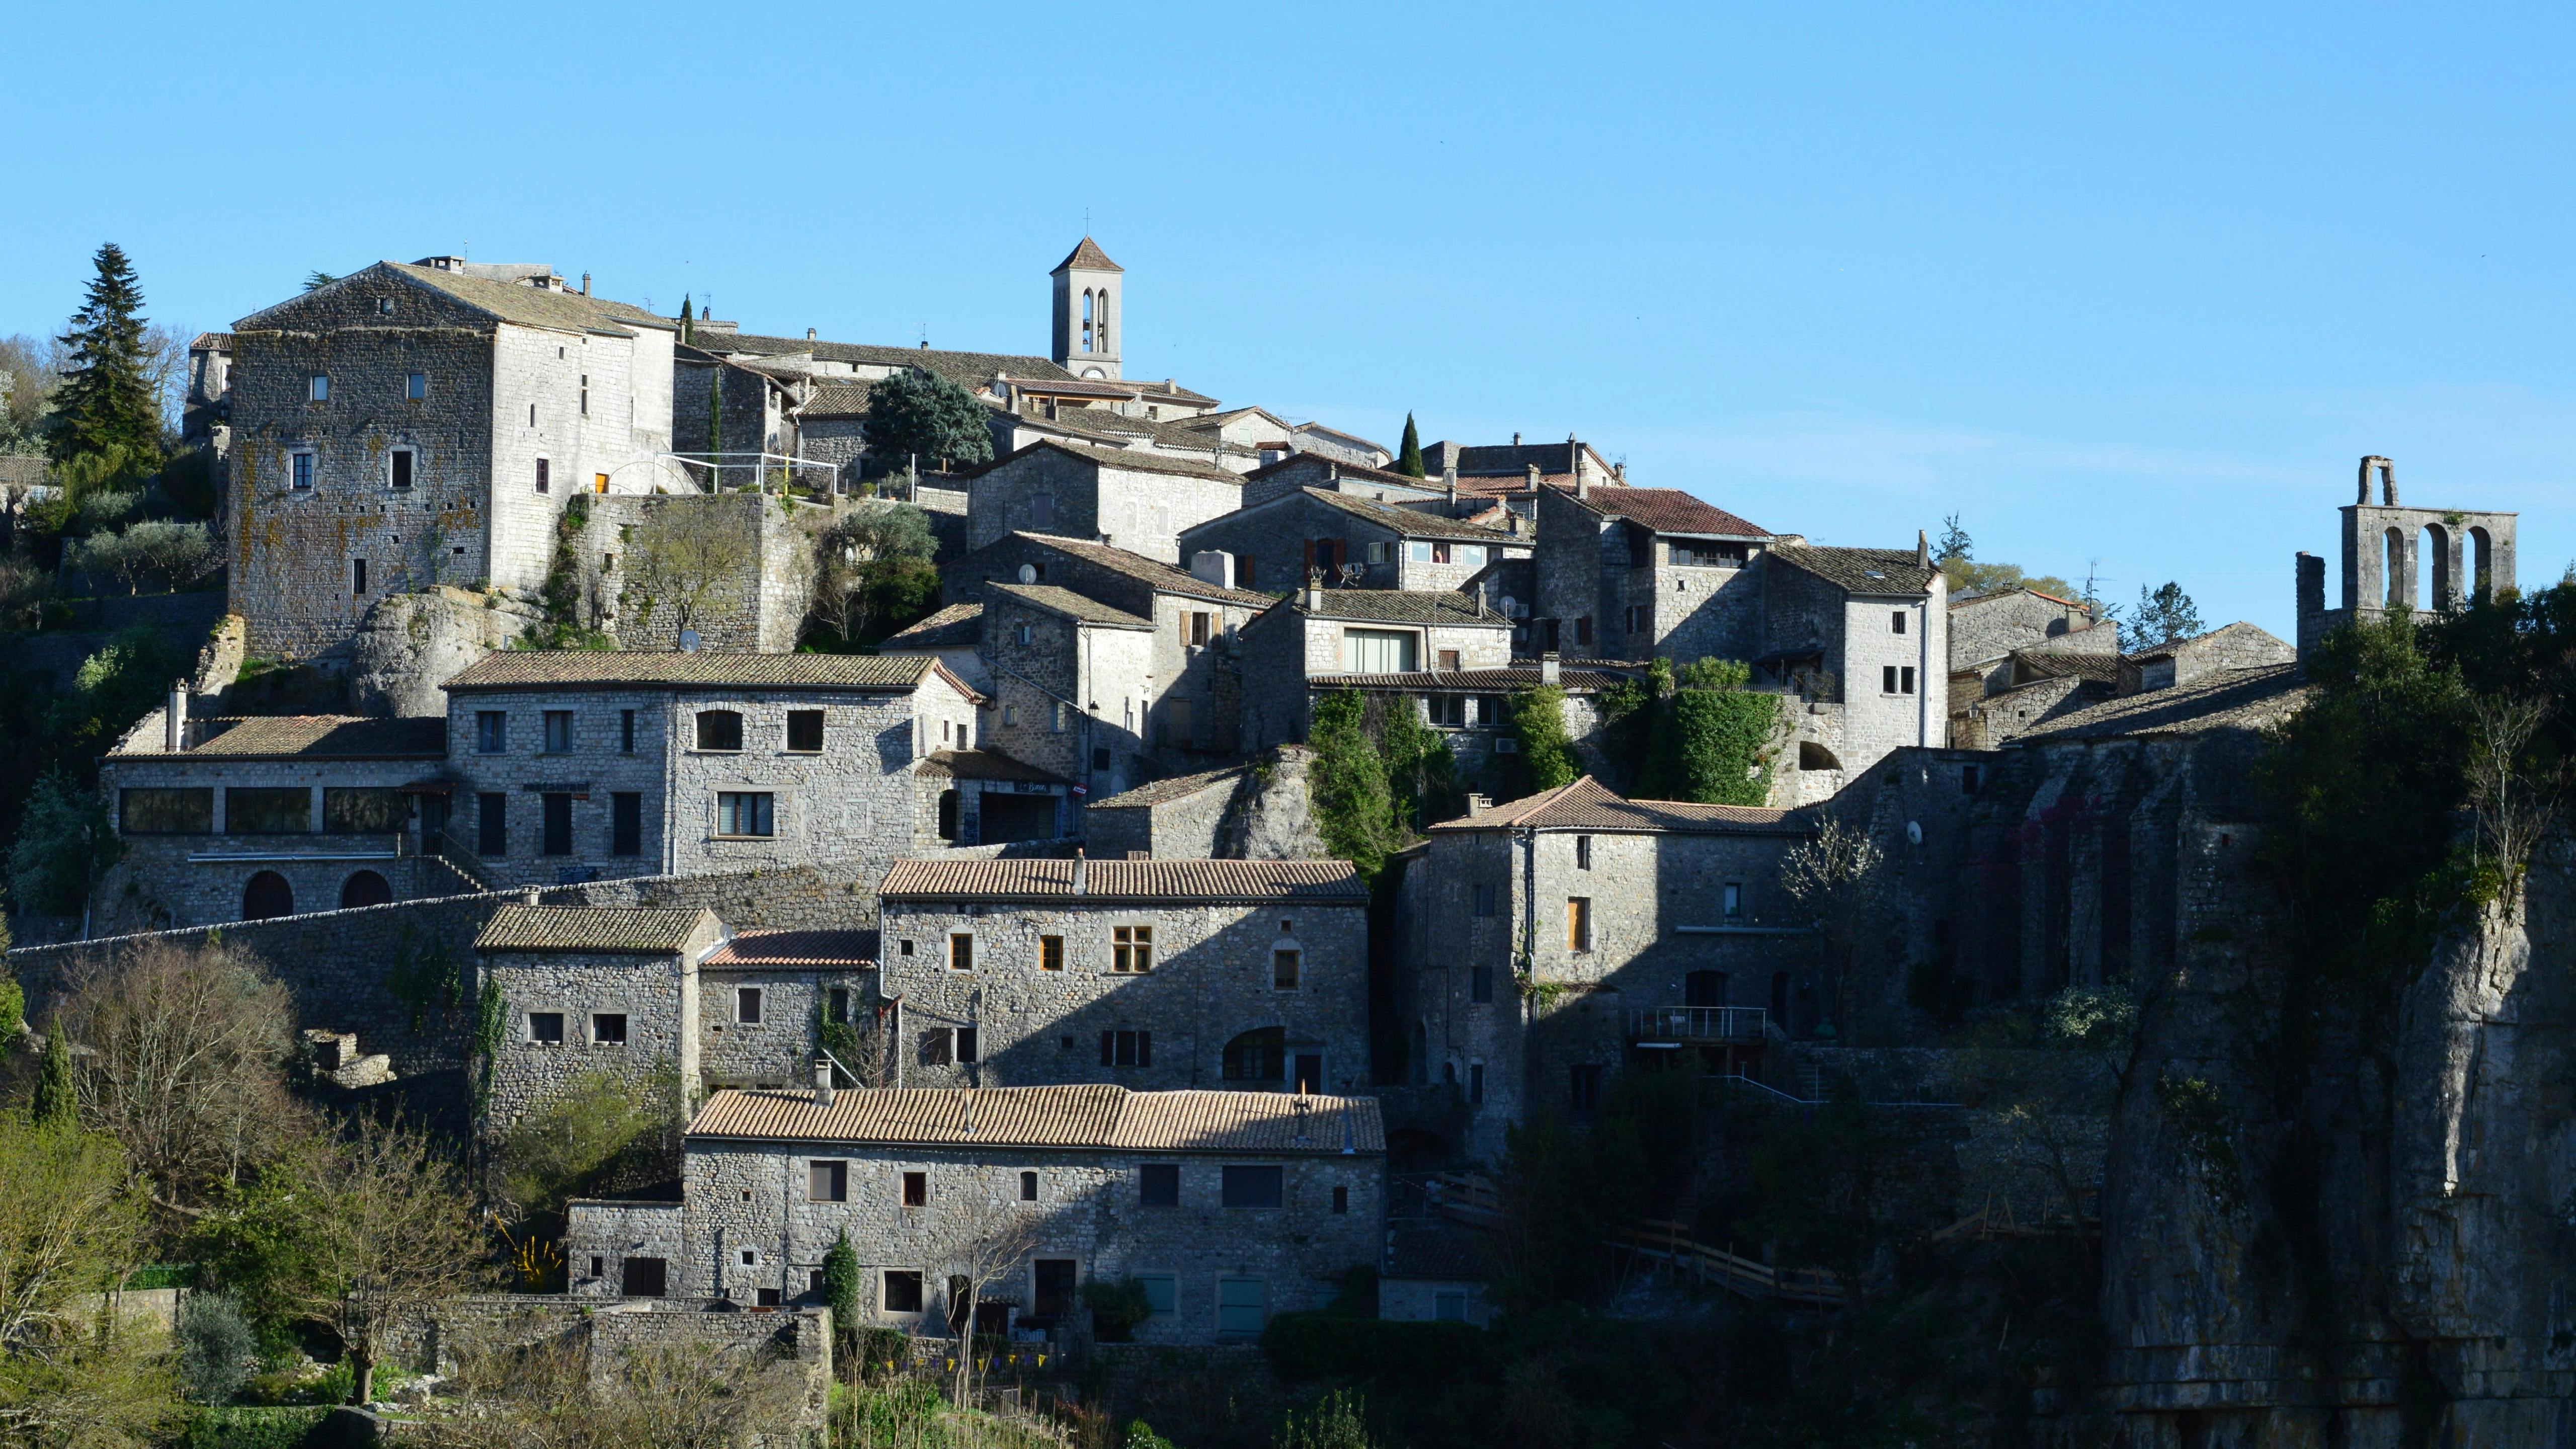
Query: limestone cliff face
[410, 644]
[2367, 1242]
[1272, 816]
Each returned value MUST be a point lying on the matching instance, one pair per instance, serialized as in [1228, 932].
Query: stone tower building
[2425, 559]
[1090, 312]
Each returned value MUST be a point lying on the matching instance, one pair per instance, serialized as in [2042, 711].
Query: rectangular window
[1578, 923]
[626, 731]
[1158, 1184]
[719, 729]
[1449, 1307]
[1028, 1187]
[746, 1005]
[608, 1028]
[1341, 1199]
[1583, 852]
[1162, 1293]
[936, 1047]
[1126, 1048]
[166, 811]
[491, 731]
[1050, 953]
[363, 811]
[805, 731]
[746, 813]
[318, 389]
[302, 467]
[1447, 709]
[1485, 899]
[645, 1277]
[916, 1189]
[558, 732]
[961, 952]
[1131, 949]
[1905, 680]
[1896, 622]
[357, 576]
[558, 822]
[400, 458]
[492, 824]
[1480, 984]
[837, 1005]
[1968, 780]
[1377, 651]
[1199, 628]
[965, 1043]
[416, 386]
[827, 1182]
[1583, 1091]
[1583, 629]
[626, 823]
[1475, 1081]
[268, 811]
[1283, 970]
[902, 1286]
[1253, 1187]
[1242, 1308]
[545, 1027]
[1734, 897]
[542, 475]
[1449, 660]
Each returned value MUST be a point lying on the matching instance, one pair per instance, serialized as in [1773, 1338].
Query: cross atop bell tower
[1090, 312]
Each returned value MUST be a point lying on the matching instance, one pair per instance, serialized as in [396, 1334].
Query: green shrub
[218, 1351]
[1330, 1346]
[254, 1428]
[1117, 1306]
[1546, 755]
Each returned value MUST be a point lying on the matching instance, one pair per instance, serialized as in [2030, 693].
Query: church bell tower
[1090, 311]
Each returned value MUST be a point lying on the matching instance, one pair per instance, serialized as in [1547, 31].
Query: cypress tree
[1409, 461]
[687, 334]
[106, 402]
[841, 1288]
[57, 1104]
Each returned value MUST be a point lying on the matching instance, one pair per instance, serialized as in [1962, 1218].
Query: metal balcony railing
[1698, 1023]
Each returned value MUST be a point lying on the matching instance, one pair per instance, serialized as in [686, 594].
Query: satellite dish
[1028, 573]
[688, 641]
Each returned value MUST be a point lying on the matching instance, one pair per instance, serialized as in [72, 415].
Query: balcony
[1698, 1023]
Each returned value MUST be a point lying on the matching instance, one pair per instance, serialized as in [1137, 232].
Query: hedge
[256, 1429]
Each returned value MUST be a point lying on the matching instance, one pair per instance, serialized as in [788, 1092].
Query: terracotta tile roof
[1587, 804]
[556, 668]
[1179, 787]
[1101, 1117]
[959, 626]
[212, 342]
[641, 930]
[1155, 572]
[307, 736]
[1088, 256]
[1404, 521]
[1056, 600]
[798, 950]
[1861, 570]
[1400, 606]
[1130, 459]
[1666, 510]
[983, 765]
[2240, 699]
[1470, 681]
[1323, 882]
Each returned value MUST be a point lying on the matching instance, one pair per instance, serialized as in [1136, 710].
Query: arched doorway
[366, 888]
[266, 896]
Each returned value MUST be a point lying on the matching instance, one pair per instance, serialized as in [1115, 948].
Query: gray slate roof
[532, 306]
[1098, 1115]
[1861, 570]
[1069, 604]
[986, 764]
[1179, 787]
[1322, 882]
[1087, 255]
[1587, 804]
[1132, 461]
[1155, 572]
[1400, 606]
[958, 626]
[307, 736]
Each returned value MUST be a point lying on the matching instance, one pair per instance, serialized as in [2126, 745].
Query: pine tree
[57, 1104]
[1409, 461]
[106, 401]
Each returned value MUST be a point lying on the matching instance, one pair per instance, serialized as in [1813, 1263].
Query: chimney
[1315, 592]
[1582, 480]
[809, 334]
[823, 1081]
[585, 284]
[1213, 566]
[1478, 805]
[174, 723]
[1081, 873]
[1922, 550]
[1449, 483]
[1533, 477]
[528, 897]
[1516, 440]
[1547, 668]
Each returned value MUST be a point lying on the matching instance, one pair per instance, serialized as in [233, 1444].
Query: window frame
[535, 1028]
[416, 387]
[1050, 953]
[961, 948]
[491, 732]
[317, 387]
[827, 1179]
[1578, 924]
[557, 735]
[402, 468]
[1150, 1175]
[698, 731]
[913, 1189]
[1131, 949]
[800, 721]
[1287, 968]
[731, 806]
[599, 1035]
[303, 469]
[753, 996]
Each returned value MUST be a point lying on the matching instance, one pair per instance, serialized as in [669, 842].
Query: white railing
[1698, 1023]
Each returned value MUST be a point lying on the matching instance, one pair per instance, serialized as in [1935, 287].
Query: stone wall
[1988, 628]
[791, 1351]
[760, 607]
[1212, 980]
[409, 645]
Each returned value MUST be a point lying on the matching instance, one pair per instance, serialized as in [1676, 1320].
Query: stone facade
[1309, 640]
[1137, 501]
[1254, 975]
[2187, 661]
[1262, 1220]
[1280, 541]
[2385, 547]
[1637, 573]
[572, 1006]
[1987, 629]
[1176, 819]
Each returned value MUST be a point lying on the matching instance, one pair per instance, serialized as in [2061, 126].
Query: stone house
[577, 764]
[1180, 818]
[2219, 651]
[1471, 711]
[953, 635]
[737, 419]
[1293, 535]
[1338, 474]
[1119, 417]
[1641, 573]
[1515, 474]
[2029, 690]
[1852, 635]
[416, 424]
[1245, 974]
[1227, 1207]
[1139, 501]
[1317, 439]
[1551, 943]
[1310, 639]
[990, 798]
[243, 819]
[1988, 630]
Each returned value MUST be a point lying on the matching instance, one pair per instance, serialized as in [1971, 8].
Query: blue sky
[2137, 288]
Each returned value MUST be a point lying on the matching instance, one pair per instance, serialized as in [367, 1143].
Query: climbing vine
[423, 975]
[491, 1021]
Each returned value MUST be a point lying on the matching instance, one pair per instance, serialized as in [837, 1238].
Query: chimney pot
[1549, 669]
[174, 724]
[823, 1093]
[809, 334]
[1081, 872]
[528, 897]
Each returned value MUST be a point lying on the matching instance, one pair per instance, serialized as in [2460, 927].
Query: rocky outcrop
[410, 644]
[1273, 814]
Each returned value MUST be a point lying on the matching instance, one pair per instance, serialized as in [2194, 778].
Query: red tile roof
[799, 950]
[1667, 510]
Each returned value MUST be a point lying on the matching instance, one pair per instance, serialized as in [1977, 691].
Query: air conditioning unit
[1506, 745]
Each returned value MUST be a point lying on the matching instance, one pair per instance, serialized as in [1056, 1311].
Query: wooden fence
[1476, 1200]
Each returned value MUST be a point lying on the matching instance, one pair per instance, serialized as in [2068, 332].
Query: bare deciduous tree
[184, 1064]
[2514, 801]
[679, 559]
[389, 1231]
[1832, 874]
[551, 1395]
[985, 1235]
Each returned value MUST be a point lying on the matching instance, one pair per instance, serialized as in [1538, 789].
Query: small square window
[319, 388]
[1131, 950]
[1050, 953]
[916, 1189]
[384, 306]
[416, 386]
[746, 1005]
[961, 952]
[608, 1028]
[902, 1287]
[827, 1181]
[1158, 1184]
[751, 1257]
[545, 1027]
[805, 730]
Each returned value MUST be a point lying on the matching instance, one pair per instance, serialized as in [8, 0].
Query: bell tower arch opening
[1088, 289]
